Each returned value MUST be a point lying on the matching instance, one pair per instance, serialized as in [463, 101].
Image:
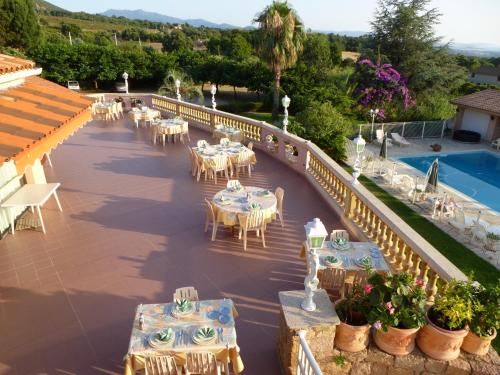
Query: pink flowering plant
[396, 301]
[380, 85]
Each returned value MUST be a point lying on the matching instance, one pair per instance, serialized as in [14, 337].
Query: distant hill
[140, 14]
[45, 6]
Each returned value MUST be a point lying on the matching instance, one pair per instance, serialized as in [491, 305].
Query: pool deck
[420, 147]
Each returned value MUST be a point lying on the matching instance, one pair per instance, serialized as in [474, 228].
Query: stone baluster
[387, 245]
[407, 266]
[432, 287]
[416, 266]
[394, 249]
[400, 257]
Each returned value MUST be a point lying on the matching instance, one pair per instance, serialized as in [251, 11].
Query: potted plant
[398, 311]
[442, 336]
[353, 332]
[485, 320]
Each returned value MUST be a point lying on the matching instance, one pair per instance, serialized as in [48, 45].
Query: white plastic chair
[399, 140]
[496, 143]
[379, 133]
[202, 363]
[254, 221]
[280, 193]
[160, 365]
[459, 222]
[233, 184]
[479, 233]
[220, 163]
[245, 159]
[187, 292]
[339, 233]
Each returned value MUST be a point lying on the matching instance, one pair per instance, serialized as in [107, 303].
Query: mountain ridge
[139, 14]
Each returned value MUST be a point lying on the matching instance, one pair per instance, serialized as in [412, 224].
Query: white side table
[32, 195]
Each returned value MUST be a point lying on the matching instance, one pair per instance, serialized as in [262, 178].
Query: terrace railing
[306, 363]
[363, 212]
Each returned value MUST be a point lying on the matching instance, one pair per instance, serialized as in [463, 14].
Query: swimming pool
[476, 174]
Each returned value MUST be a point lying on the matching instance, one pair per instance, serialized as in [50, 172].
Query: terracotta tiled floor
[131, 232]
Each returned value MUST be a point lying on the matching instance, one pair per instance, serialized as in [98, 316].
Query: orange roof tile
[9, 64]
[35, 117]
[485, 100]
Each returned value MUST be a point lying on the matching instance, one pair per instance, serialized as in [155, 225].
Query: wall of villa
[359, 209]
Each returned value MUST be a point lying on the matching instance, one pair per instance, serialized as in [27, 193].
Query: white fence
[306, 364]
[412, 129]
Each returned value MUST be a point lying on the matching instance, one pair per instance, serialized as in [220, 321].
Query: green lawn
[466, 260]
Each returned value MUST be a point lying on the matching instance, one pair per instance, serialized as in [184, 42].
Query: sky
[462, 21]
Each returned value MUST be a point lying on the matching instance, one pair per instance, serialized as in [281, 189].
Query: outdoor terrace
[131, 232]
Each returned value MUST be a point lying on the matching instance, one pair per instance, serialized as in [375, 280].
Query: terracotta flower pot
[352, 338]
[478, 345]
[440, 343]
[396, 341]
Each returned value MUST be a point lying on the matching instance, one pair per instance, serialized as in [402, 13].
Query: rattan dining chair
[333, 281]
[339, 233]
[280, 193]
[187, 292]
[202, 363]
[254, 221]
[160, 365]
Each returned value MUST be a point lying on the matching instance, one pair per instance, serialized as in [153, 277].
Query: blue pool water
[476, 174]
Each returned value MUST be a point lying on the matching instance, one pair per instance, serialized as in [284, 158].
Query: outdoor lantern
[359, 144]
[125, 78]
[373, 112]
[213, 91]
[315, 233]
[286, 103]
[177, 87]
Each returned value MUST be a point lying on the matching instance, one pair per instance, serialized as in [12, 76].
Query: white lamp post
[359, 143]
[315, 234]
[125, 78]
[373, 113]
[286, 103]
[213, 91]
[177, 87]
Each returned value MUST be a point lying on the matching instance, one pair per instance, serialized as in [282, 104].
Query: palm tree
[281, 39]
[188, 90]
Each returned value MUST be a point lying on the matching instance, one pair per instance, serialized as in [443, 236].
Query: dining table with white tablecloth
[233, 202]
[217, 314]
[232, 150]
[144, 114]
[169, 127]
[233, 134]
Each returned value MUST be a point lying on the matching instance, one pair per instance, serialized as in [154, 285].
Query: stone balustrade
[360, 210]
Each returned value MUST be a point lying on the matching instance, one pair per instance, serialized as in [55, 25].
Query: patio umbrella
[383, 148]
[432, 180]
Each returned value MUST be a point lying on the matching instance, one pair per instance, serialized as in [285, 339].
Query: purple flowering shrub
[381, 84]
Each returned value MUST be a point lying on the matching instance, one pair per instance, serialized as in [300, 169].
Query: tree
[317, 55]
[188, 90]
[326, 127]
[19, 27]
[177, 41]
[236, 47]
[280, 42]
[404, 32]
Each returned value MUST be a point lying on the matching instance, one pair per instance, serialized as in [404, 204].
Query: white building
[486, 75]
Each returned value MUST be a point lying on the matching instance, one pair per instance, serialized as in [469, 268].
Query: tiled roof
[35, 117]
[9, 64]
[486, 100]
[488, 71]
